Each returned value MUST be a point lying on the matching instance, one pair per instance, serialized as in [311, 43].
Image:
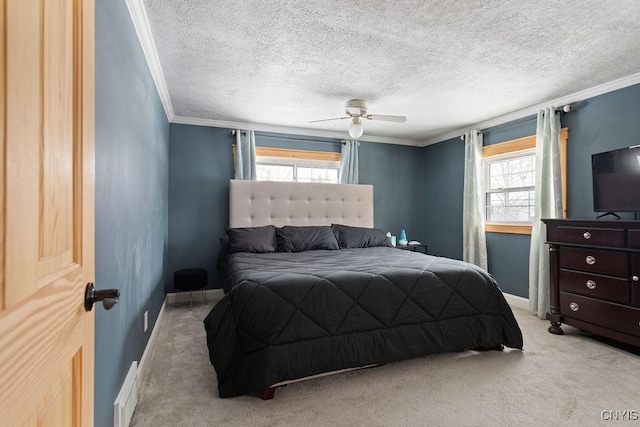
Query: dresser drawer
[634, 239]
[596, 261]
[614, 238]
[596, 286]
[635, 294]
[635, 279]
[607, 314]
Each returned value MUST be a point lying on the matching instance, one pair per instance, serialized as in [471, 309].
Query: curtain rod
[263, 135]
[562, 110]
[511, 123]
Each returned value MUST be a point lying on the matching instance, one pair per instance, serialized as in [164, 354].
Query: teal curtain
[474, 241]
[245, 163]
[349, 162]
[548, 204]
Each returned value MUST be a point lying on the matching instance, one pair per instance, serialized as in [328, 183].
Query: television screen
[616, 180]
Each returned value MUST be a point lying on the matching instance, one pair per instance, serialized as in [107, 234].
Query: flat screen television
[616, 180]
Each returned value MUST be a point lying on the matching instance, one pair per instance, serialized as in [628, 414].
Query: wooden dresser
[595, 277]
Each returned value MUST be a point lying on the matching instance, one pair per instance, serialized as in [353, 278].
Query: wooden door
[47, 212]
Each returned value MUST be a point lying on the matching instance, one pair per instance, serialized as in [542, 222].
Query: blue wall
[200, 167]
[603, 123]
[132, 138]
[443, 177]
[201, 164]
[398, 190]
[598, 124]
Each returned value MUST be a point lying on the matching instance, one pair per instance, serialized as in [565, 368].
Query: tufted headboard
[258, 203]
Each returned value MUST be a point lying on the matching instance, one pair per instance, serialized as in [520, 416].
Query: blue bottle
[402, 240]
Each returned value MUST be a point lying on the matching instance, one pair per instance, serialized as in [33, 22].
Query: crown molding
[288, 130]
[143, 30]
[621, 83]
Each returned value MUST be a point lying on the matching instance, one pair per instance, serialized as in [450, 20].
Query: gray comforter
[291, 315]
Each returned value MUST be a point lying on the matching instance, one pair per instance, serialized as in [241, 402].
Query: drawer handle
[590, 260]
[635, 278]
[586, 235]
[574, 306]
[591, 284]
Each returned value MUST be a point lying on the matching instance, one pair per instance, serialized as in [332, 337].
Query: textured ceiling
[445, 65]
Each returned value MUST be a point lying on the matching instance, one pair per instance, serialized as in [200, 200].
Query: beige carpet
[561, 380]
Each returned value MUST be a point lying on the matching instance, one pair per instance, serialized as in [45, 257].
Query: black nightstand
[413, 248]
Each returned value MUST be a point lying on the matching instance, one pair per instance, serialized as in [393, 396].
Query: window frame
[505, 157]
[296, 157]
[504, 150]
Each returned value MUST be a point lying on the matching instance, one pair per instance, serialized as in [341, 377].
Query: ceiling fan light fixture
[356, 130]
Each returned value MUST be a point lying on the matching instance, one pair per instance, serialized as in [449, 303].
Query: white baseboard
[127, 399]
[516, 301]
[213, 295]
[152, 339]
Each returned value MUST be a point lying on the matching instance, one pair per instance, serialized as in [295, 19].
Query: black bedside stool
[191, 279]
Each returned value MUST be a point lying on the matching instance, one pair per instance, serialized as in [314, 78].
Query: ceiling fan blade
[399, 119]
[326, 120]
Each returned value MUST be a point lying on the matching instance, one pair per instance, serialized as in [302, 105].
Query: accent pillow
[252, 239]
[306, 238]
[359, 237]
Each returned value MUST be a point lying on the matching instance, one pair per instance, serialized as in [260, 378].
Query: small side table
[413, 248]
[191, 279]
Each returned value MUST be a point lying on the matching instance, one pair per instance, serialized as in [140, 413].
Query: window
[274, 172]
[510, 190]
[509, 184]
[283, 164]
[318, 173]
[296, 170]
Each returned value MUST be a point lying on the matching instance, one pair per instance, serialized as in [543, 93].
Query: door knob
[109, 297]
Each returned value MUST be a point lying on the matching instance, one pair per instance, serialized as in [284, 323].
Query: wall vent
[127, 399]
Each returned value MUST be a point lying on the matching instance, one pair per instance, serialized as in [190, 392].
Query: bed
[329, 294]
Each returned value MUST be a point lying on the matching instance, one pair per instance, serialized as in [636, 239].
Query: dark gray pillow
[221, 265]
[252, 239]
[305, 238]
[359, 237]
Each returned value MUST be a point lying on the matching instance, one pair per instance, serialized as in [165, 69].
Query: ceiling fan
[356, 109]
